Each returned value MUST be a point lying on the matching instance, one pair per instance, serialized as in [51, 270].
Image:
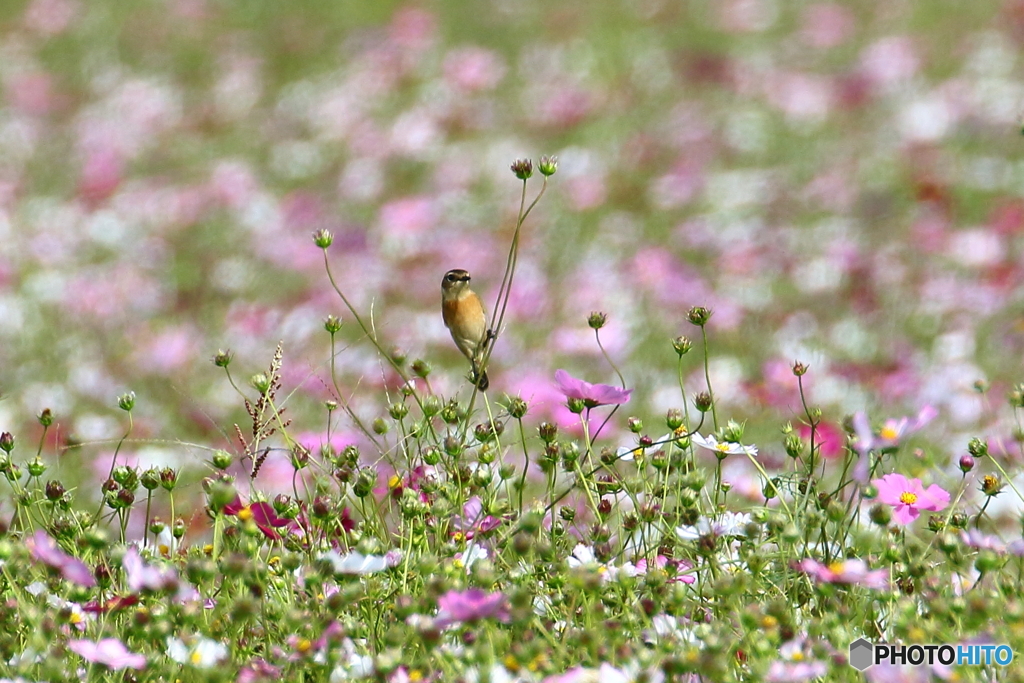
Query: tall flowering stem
[523, 170]
[368, 330]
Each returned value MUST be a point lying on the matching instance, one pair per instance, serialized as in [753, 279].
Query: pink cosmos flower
[673, 568]
[592, 395]
[850, 572]
[109, 652]
[46, 550]
[474, 520]
[888, 436]
[258, 671]
[142, 576]
[455, 607]
[909, 497]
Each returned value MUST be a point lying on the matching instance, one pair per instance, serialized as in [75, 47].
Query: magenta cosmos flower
[908, 497]
[592, 395]
[109, 652]
[46, 550]
[261, 513]
[456, 607]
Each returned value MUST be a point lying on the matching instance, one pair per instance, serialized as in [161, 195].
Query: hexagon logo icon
[862, 654]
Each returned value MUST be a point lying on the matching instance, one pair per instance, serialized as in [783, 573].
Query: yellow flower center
[908, 498]
[836, 567]
[394, 482]
[415, 675]
[889, 433]
[303, 645]
[245, 514]
[723, 447]
[196, 657]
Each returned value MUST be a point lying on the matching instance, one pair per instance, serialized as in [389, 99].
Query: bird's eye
[451, 277]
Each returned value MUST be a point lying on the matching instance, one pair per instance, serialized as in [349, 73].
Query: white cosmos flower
[471, 554]
[355, 562]
[202, 653]
[728, 524]
[722, 448]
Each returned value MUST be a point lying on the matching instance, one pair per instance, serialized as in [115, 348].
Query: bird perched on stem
[463, 314]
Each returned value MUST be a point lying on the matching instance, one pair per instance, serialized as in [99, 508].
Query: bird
[464, 316]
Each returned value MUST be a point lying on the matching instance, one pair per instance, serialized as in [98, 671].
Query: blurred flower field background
[838, 183]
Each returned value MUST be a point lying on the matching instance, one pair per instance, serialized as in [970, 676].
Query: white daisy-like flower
[728, 524]
[202, 653]
[629, 453]
[355, 562]
[352, 664]
[724, 447]
[471, 554]
[583, 556]
[667, 627]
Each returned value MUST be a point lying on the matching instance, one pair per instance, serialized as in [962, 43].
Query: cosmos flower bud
[54, 490]
[398, 411]
[1016, 396]
[517, 407]
[332, 324]
[523, 168]
[150, 479]
[635, 424]
[966, 463]
[452, 446]
[597, 320]
[547, 431]
[682, 345]
[977, 447]
[799, 369]
[733, 432]
[37, 467]
[221, 459]
[6, 442]
[794, 446]
[223, 358]
[547, 165]
[699, 316]
[45, 417]
[421, 368]
[880, 514]
[125, 476]
[576, 405]
[365, 481]
[323, 238]
[126, 401]
[168, 478]
[702, 401]
[260, 382]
